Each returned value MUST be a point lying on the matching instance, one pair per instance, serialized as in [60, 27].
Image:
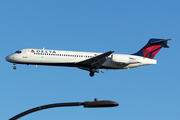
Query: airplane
[89, 61]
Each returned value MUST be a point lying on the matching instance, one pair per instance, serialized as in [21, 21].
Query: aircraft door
[24, 54]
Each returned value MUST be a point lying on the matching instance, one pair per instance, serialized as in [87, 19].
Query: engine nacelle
[123, 59]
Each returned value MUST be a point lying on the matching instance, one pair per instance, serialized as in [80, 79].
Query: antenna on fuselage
[43, 48]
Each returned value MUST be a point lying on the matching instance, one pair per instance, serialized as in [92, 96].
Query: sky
[149, 92]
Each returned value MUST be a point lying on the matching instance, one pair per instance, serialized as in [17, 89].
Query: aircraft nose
[9, 58]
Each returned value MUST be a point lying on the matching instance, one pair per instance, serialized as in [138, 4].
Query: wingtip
[111, 51]
[171, 39]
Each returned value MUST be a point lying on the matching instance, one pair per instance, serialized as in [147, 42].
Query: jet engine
[123, 59]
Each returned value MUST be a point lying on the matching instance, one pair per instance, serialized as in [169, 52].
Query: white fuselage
[70, 58]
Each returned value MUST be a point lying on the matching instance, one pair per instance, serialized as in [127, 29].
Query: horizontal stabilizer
[159, 41]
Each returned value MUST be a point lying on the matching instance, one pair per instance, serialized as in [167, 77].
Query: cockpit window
[18, 51]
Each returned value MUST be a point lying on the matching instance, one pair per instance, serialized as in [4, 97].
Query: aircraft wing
[94, 62]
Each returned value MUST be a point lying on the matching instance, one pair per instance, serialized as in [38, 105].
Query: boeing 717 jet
[89, 61]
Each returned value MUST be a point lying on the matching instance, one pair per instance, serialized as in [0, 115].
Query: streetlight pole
[87, 104]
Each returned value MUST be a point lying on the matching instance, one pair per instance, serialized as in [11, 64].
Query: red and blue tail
[152, 48]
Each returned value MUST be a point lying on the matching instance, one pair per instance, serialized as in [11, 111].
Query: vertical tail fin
[152, 48]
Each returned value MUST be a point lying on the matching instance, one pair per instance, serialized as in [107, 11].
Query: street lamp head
[96, 103]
